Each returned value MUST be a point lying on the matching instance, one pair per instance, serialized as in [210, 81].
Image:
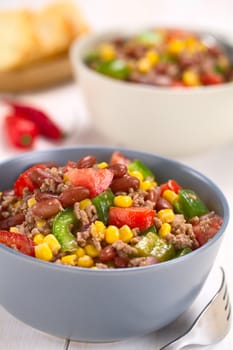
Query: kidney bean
[121, 261]
[72, 195]
[14, 220]
[46, 208]
[107, 254]
[153, 194]
[45, 195]
[86, 162]
[37, 176]
[123, 184]
[162, 203]
[118, 169]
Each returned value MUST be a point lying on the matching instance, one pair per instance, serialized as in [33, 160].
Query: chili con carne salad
[102, 215]
[162, 57]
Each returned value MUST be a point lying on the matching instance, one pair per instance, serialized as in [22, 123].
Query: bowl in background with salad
[172, 85]
[102, 244]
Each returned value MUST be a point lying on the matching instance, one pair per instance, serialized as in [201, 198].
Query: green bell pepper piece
[61, 229]
[183, 252]
[117, 69]
[150, 229]
[92, 56]
[162, 250]
[149, 38]
[102, 202]
[189, 204]
[138, 165]
[152, 245]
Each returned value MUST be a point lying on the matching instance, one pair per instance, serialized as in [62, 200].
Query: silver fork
[212, 324]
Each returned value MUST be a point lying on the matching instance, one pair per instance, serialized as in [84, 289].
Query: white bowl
[167, 121]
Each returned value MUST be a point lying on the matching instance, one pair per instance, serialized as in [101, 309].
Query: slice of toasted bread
[28, 36]
[18, 42]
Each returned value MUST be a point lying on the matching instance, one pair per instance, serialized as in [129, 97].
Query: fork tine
[229, 313]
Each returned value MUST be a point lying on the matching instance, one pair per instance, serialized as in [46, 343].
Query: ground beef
[82, 237]
[179, 241]
[182, 234]
[144, 261]
[122, 247]
[101, 266]
[87, 215]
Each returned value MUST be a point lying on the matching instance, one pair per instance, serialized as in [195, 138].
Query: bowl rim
[84, 43]
[77, 269]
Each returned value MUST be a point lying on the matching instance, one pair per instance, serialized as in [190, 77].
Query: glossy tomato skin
[170, 185]
[140, 217]
[207, 227]
[96, 180]
[16, 240]
[24, 180]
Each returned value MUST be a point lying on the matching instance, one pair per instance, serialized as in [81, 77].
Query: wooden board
[39, 75]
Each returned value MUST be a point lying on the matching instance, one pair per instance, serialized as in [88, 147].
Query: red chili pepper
[24, 181]
[17, 241]
[45, 125]
[20, 132]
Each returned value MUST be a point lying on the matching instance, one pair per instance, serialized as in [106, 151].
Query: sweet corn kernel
[107, 52]
[164, 229]
[66, 178]
[147, 185]
[175, 46]
[84, 203]
[40, 223]
[14, 229]
[91, 250]
[144, 65]
[170, 196]
[85, 261]
[191, 78]
[136, 174]
[98, 230]
[80, 252]
[31, 201]
[43, 252]
[152, 57]
[17, 204]
[123, 201]
[102, 165]
[112, 234]
[69, 259]
[53, 243]
[38, 239]
[125, 233]
[166, 215]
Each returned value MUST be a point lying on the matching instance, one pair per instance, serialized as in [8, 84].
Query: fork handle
[178, 343]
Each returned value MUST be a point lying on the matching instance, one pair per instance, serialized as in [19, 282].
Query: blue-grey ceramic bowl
[106, 305]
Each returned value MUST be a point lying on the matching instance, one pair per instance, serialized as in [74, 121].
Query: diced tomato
[140, 217]
[207, 227]
[118, 157]
[170, 185]
[211, 79]
[69, 165]
[96, 180]
[17, 241]
[24, 181]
